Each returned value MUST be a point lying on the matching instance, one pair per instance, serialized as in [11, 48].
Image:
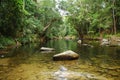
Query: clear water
[29, 63]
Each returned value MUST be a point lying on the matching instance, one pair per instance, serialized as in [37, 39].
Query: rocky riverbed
[28, 63]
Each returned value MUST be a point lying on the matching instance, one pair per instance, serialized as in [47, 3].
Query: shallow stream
[29, 63]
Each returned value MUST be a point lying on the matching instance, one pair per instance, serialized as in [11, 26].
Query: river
[29, 63]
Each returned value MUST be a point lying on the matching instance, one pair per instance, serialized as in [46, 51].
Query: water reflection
[26, 62]
[62, 45]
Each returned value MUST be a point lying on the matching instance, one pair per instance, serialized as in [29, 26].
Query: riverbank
[7, 42]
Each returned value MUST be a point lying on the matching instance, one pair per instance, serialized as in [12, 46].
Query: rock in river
[67, 55]
[46, 49]
[105, 42]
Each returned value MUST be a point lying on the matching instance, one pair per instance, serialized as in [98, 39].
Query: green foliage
[5, 41]
[41, 14]
[85, 17]
[11, 13]
[26, 39]
[29, 20]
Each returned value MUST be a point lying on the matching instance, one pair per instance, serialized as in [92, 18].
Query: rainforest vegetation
[30, 21]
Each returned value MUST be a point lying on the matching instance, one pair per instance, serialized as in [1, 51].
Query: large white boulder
[67, 55]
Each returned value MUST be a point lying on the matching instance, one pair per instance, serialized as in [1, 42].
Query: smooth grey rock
[79, 41]
[62, 68]
[67, 55]
[105, 42]
[46, 49]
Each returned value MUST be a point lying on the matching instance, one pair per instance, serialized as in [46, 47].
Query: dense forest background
[29, 21]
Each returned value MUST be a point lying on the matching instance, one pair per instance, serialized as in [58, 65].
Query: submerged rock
[70, 75]
[67, 55]
[62, 68]
[46, 49]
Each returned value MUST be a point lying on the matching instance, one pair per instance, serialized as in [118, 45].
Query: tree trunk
[81, 37]
[45, 29]
[101, 34]
[42, 35]
[35, 1]
[114, 19]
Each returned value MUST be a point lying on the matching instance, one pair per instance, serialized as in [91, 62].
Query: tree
[114, 19]
[117, 12]
[77, 11]
[42, 17]
[11, 14]
[85, 17]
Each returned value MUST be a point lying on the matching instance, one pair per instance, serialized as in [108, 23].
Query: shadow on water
[28, 62]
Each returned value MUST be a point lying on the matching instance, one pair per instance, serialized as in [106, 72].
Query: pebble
[118, 70]
[40, 66]
[1, 78]
[4, 65]
[50, 67]
[20, 70]
[2, 56]
[77, 67]
[113, 73]
[84, 66]
[114, 68]
[1, 71]
[19, 78]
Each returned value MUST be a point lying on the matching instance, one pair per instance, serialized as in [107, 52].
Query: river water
[29, 63]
